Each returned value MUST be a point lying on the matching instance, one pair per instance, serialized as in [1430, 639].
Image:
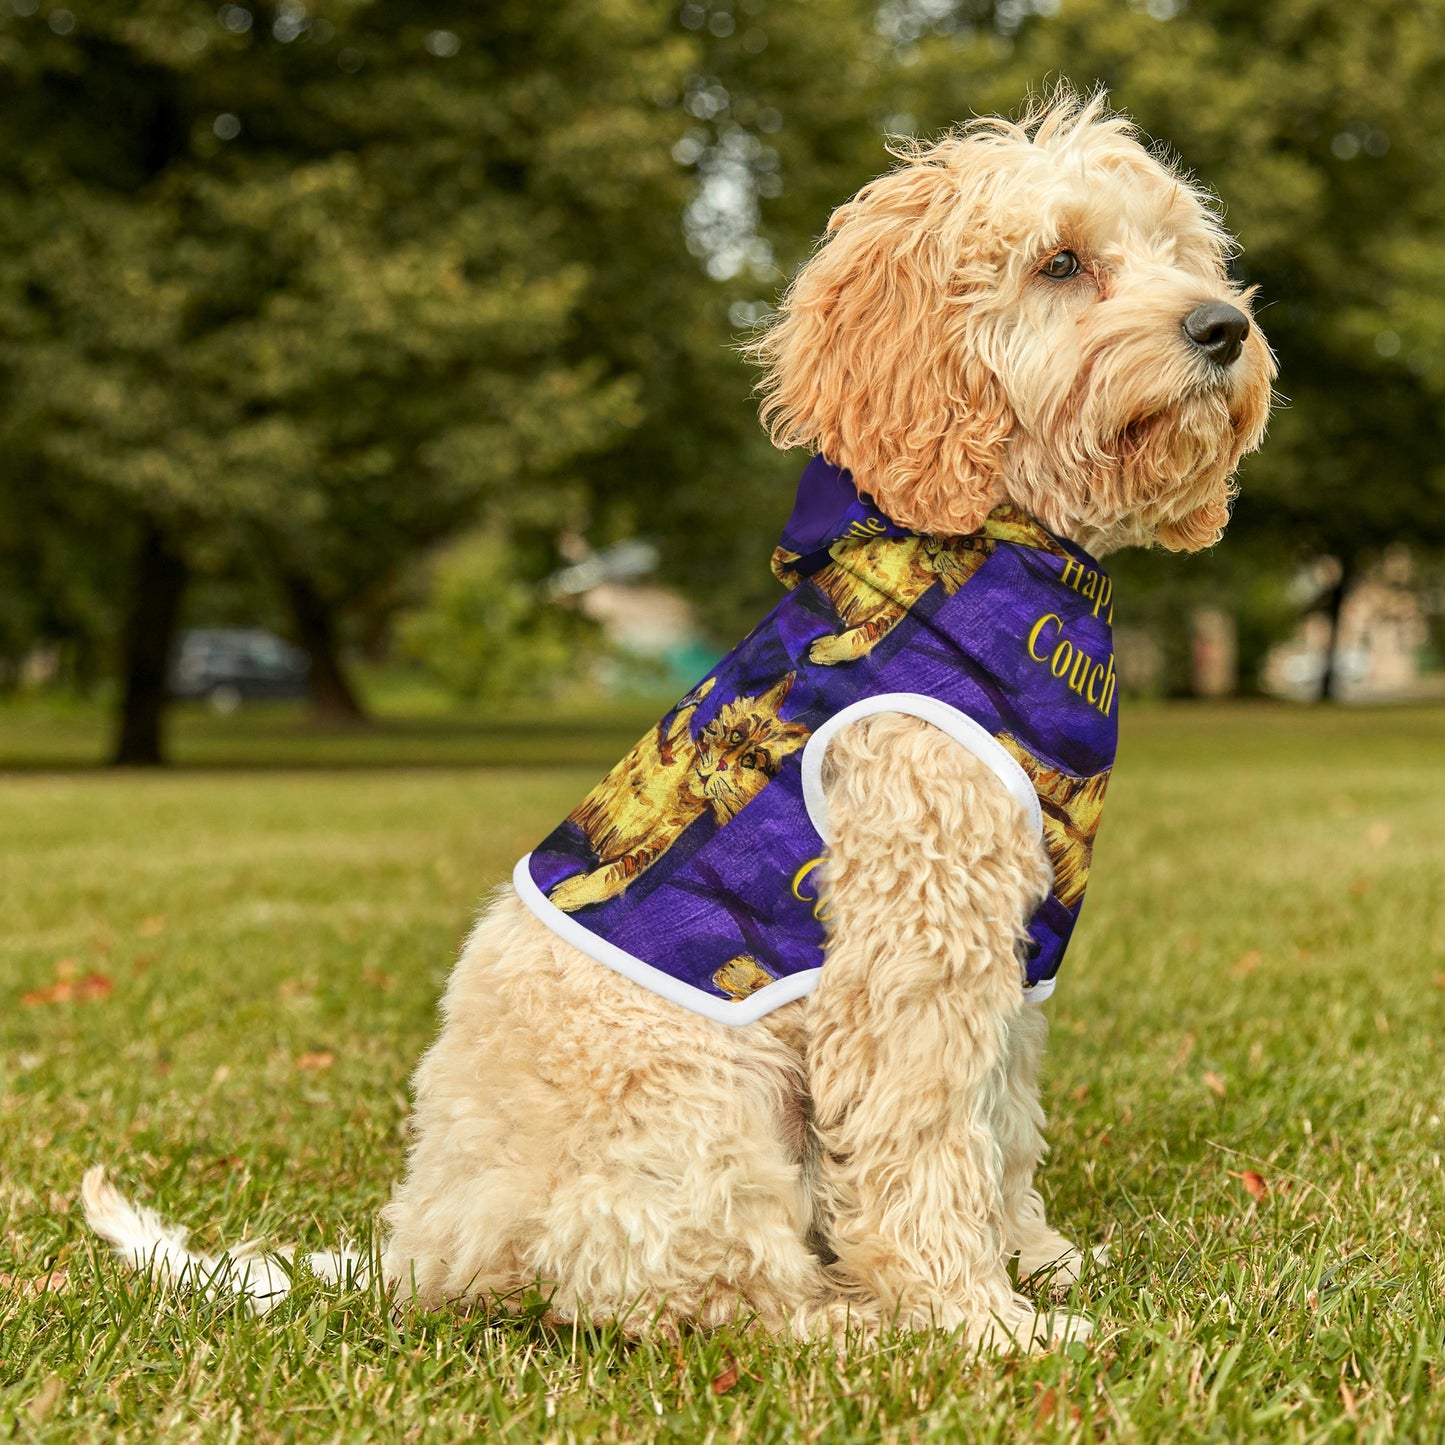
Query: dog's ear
[874, 358]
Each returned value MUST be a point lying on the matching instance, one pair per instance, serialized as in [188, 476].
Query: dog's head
[1036, 312]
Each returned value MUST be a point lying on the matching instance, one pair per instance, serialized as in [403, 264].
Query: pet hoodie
[695, 867]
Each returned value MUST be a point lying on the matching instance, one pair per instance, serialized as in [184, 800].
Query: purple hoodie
[697, 866]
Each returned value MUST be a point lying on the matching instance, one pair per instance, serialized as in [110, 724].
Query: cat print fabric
[696, 867]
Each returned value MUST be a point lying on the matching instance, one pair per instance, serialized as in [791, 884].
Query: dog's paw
[1023, 1326]
[1058, 1267]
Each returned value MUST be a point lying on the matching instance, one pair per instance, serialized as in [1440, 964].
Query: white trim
[721, 1010]
[946, 718]
[1038, 992]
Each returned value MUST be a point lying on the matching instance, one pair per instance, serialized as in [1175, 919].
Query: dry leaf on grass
[1377, 834]
[724, 1382]
[1181, 1054]
[1214, 1083]
[1248, 963]
[45, 1399]
[67, 990]
[151, 927]
[377, 978]
[1046, 1408]
[320, 1059]
[1254, 1183]
[56, 1282]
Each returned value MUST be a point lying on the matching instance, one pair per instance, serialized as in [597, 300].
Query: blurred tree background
[328, 315]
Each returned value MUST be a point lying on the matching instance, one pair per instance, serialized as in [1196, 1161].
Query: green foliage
[1256, 867]
[316, 287]
[316, 291]
[485, 633]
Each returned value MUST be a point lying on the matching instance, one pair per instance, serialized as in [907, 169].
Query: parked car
[230, 665]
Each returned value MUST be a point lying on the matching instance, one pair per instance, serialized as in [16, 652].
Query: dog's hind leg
[1018, 1125]
[934, 872]
[577, 1135]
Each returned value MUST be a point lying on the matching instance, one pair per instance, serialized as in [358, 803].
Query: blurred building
[1382, 648]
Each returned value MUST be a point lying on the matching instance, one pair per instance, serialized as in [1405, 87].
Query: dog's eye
[1060, 266]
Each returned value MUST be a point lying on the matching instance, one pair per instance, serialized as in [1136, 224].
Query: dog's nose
[1218, 331]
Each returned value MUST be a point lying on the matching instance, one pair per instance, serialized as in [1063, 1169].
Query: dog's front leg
[933, 875]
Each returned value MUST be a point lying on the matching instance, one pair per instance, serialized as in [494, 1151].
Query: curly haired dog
[1033, 313]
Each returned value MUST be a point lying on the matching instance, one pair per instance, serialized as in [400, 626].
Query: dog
[1024, 325]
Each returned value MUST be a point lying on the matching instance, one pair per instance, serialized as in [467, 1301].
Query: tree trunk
[1335, 606]
[333, 699]
[150, 629]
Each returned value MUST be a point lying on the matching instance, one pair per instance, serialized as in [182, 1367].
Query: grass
[229, 974]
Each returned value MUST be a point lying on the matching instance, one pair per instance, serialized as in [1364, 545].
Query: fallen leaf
[1103, 1140]
[724, 1382]
[1181, 1054]
[1047, 1408]
[45, 1399]
[56, 1282]
[1377, 834]
[1214, 1083]
[1254, 1182]
[320, 1059]
[1440, 980]
[1080, 1094]
[66, 968]
[151, 927]
[1248, 963]
[56, 993]
[82, 990]
[1359, 886]
[377, 978]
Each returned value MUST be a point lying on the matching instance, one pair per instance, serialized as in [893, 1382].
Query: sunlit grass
[1258, 985]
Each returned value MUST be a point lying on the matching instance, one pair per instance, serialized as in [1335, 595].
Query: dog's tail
[147, 1243]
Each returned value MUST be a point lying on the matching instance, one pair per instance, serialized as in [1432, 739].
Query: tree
[310, 288]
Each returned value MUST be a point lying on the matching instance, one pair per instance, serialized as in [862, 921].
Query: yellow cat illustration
[1071, 808]
[905, 568]
[668, 781]
[741, 977]
[872, 584]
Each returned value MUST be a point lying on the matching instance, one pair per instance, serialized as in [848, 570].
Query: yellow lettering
[1091, 586]
[1073, 573]
[1038, 628]
[1106, 700]
[1082, 663]
[822, 909]
[1105, 599]
[1063, 656]
[1094, 676]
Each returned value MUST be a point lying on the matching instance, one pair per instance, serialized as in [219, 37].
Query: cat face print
[743, 747]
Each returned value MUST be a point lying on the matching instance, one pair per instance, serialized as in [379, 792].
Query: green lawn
[230, 971]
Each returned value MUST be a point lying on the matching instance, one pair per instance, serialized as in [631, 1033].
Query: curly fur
[921, 348]
[866, 1156]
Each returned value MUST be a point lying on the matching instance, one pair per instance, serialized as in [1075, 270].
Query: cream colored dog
[1034, 312]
